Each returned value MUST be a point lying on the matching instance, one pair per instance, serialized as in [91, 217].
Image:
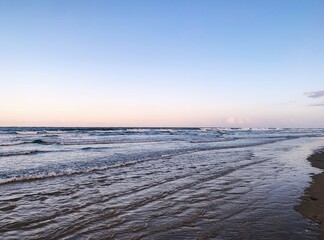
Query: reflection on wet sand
[312, 203]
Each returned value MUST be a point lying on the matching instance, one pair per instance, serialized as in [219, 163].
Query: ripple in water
[154, 183]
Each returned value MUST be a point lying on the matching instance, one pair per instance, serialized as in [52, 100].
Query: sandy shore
[312, 203]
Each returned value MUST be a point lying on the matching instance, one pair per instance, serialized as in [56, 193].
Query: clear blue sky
[162, 63]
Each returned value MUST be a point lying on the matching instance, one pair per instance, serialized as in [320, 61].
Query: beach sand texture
[312, 203]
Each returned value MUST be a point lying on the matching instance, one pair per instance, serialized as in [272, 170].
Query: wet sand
[312, 203]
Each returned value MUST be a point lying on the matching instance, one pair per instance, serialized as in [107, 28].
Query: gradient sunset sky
[162, 63]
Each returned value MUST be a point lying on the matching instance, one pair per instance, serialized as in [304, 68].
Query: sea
[155, 183]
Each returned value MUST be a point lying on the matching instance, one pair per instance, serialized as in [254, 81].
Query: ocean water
[155, 183]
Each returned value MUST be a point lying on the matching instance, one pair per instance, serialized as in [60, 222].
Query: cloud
[315, 94]
[317, 104]
[230, 120]
[238, 120]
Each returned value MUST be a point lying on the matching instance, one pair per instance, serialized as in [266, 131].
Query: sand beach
[312, 203]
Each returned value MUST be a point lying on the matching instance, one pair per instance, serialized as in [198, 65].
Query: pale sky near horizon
[162, 63]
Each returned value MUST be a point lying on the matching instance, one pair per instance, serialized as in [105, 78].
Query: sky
[162, 63]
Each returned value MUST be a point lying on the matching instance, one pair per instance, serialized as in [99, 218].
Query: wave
[83, 141]
[206, 135]
[19, 142]
[94, 148]
[27, 152]
[40, 141]
[63, 172]
[27, 133]
[87, 142]
[7, 143]
[27, 178]
[101, 165]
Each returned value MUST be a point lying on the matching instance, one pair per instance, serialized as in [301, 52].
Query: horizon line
[134, 127]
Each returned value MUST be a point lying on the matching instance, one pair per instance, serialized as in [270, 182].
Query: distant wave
[27, 132]
[37, 141]
[40, 141]
[203, 135]
[17, 153]
[94, 148]
[84, 142]
[7, 143]
[89, 142]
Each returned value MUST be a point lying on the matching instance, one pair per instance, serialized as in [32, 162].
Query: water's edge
[312, 202]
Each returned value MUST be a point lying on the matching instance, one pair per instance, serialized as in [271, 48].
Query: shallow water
[59, 183]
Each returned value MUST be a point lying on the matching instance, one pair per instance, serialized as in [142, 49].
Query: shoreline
[311, 205]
